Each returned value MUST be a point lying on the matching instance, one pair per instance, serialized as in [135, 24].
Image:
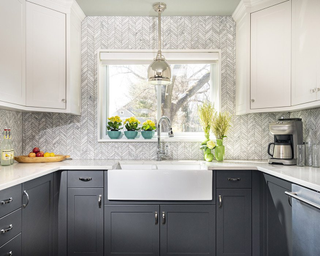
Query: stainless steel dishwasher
[305, 221]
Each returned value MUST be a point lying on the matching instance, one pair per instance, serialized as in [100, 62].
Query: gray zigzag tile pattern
[13, 120]
[77, 135]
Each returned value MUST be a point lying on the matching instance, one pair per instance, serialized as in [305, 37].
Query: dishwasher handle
[295, 196]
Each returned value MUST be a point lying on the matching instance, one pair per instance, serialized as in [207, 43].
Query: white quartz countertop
[305, 176]
[19, 173]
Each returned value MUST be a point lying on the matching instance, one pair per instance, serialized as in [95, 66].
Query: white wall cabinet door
[46, 57]
[243, 65]
[271, 57]
[306, 48]
[12, 51]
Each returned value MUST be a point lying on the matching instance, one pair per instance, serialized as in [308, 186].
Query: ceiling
[144, 7]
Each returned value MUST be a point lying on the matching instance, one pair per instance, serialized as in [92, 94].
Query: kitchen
[54, 102]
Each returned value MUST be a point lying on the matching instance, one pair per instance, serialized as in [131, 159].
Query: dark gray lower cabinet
[278, 218]
[85, 221]
[132, 230]
[187, 230]
[184, 230]
[234, 222]
[37, 217]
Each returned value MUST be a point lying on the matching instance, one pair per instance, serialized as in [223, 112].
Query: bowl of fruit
[38, 156]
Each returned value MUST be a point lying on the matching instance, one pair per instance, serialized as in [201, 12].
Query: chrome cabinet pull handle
[85, 179]
[294, 195]
[220, 201]
[234, 179]
[100, 201]
[156, 218]
[28, 199]
[7, 201]
[5, 230]
[10, 253]
[163, 218]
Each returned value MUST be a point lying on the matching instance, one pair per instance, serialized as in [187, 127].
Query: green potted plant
[114, 127]
[220, 126]
[148, 129]
[131, 125]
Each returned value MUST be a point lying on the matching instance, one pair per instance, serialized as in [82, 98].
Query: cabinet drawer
[13, 247]
[85, 179]
[233, 179]
[10, 200]
[10, 226]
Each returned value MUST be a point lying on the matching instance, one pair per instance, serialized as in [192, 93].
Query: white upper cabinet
[46, 57]
[306, 49]
[12, 52]
[40, 49]
[271, 57]
[243, 65]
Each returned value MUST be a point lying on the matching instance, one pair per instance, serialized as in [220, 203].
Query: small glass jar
[316, 156]
[301, 155]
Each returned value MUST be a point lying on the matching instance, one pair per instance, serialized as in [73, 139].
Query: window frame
[118, 57]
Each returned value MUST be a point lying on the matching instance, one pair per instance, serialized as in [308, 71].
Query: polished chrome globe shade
[159, 71]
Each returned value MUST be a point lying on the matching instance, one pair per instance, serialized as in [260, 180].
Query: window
[124, 90]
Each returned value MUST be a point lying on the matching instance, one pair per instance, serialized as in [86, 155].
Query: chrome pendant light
[159, 72]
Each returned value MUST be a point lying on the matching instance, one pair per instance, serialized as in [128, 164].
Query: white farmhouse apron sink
[160, 182]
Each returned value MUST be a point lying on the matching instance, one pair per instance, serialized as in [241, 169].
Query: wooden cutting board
[26, 159]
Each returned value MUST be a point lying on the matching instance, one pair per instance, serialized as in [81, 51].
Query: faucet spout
[160, 152]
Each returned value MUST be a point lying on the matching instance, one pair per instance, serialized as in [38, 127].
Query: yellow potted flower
[114, 127]
[148, 128]
[131, 125]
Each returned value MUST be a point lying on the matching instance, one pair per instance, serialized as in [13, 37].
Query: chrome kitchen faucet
[161, 153]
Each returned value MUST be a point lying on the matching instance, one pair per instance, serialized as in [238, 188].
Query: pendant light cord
[159, 32]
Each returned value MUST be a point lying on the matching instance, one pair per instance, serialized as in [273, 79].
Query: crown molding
[77, 11]
[249, 6]
[240, 11]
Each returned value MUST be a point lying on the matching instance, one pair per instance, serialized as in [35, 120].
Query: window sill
[154, 139]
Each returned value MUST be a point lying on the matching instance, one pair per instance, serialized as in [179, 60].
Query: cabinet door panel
[305, 52]
[12, 51]
[85, 222]
[187, 230]
[234, 222]
[278, 218]
[37, 217]
[131, 230]
[46, 57]
[271, 57]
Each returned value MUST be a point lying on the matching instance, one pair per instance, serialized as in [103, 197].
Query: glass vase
[219, 150]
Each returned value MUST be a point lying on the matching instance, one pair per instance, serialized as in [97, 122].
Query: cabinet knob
[64, 100]
[313, 90]
[252, 100]
[318, 89]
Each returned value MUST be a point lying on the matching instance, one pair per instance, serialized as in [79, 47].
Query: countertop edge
[276, 172]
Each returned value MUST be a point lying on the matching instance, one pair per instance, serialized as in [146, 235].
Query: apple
[39, 154]
[42, 153]
[31, 154]
[36, 150]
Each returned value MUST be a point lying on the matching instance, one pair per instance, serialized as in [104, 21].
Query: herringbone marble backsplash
[77, 135]
[13, 120]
